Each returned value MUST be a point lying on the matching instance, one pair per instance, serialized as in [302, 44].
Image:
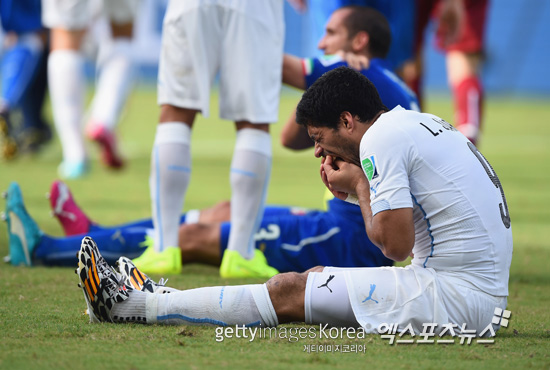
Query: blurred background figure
[23, 74]
[400, 15]
[69, 21]
[459, 31]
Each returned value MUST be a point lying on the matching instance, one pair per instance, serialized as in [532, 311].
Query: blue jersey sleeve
[392, 90]
[315, 67]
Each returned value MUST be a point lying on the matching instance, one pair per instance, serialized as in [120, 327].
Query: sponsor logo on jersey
[369, 166]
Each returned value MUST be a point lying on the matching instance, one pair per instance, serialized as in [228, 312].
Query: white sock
[67, 86]
[229, 305]
[250, 171]
[170, 175]
[132, 309]
[115, 71]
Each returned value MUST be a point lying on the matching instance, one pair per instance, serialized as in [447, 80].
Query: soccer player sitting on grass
[291, 238]
[423, 188]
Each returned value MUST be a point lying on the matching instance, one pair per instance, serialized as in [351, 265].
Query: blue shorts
[294, 240]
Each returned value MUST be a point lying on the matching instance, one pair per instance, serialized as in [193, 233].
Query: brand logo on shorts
[369, 166]
[369, 298]
[326, 284]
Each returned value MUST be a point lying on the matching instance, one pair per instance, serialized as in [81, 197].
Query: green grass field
[42, 324]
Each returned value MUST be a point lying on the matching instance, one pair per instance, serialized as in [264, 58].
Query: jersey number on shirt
[494, 178]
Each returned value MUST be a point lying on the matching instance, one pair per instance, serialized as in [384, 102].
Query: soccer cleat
[106, 139]
[137, 279]
[236, 266]
[24, 234]
[8, 144]
[32, 139]
[73, 170]
[103, 287]
[73, 220]
[167, 262]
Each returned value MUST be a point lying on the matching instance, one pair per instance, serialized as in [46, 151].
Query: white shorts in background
[78, 14]
[397, 295]
[244, 44]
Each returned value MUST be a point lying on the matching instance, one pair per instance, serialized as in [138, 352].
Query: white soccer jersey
[462, 225]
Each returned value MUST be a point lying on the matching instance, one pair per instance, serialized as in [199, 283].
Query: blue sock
[146, 223]
[17, 71]
[112, 243]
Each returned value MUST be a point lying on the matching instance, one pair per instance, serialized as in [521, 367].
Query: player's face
[336, 34]
[332, 142]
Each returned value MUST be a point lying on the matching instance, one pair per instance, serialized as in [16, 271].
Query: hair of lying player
[340, 90]
[371, 21]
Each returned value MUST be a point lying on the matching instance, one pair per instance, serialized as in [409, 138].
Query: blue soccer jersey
[393, 91]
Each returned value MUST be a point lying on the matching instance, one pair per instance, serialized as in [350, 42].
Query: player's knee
[287, 295]
[316, 269]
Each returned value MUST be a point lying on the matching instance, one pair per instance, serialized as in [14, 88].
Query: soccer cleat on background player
[24, 234]
[106, 139]
[73, 170]
[236, 266]
[8, 144]
[103, 287]
[73, 220]
[167, 262]
[137, 279]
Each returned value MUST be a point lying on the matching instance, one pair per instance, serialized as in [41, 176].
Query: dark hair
[371, 21]
[340, 90]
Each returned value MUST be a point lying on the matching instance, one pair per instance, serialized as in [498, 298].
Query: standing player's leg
[250, 81]
[115, 71]
[18, 70]
[464, 57]
[67, 83]
[188, 64]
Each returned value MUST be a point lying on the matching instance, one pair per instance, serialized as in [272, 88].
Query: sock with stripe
[468, 97]
[168, 181]
[250, 171]
[225, 305]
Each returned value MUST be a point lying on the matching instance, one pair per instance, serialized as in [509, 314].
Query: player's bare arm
[293, 73]
[392, 230]
[295, 136]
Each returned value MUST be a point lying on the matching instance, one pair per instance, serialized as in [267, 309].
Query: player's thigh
[472, 29]
[121, 11]
[189, 56]
[250, 74]
[394, 295]
[327, 301]
[67, 14]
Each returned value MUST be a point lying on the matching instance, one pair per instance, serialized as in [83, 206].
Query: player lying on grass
[292, 239]
[422, 187]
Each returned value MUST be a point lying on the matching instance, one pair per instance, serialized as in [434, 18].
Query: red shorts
[470, 38]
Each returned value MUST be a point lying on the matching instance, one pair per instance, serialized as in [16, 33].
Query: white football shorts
[78, 14]
[379, 297]
[244, 45]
